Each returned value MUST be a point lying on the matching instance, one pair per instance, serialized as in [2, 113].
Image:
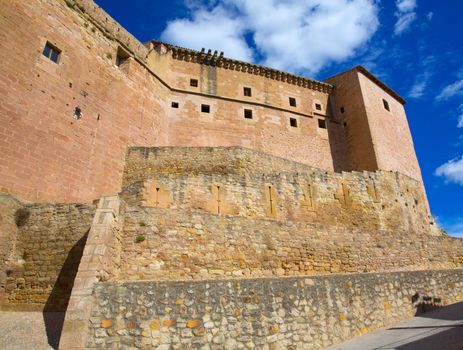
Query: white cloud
[210, 29]
[406, 5]
[451, 90]
[423, 79]
[405, 15]
[460, 121]
[418, 89]
[452, 171]
[430, 15]
[292, 35]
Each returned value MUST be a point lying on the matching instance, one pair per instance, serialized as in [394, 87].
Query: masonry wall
[190, 178]
[9, 217]
[48, 246]
[347, 95]
[390, 132]
[296, 313]
[49, 155]
[196, 213]
[46, 154]
[269, 129]
[376, 138]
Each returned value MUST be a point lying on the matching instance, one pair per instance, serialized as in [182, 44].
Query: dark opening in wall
[342, 109]
[248, 113]
[318, 106]
[174, 104]
[194, 82]
[322, 123]
[205, 108]
[292, 102]
[77, 113]
[386, 105]
[247, 91]
[293, 122]
[52, 52]
[121, 56]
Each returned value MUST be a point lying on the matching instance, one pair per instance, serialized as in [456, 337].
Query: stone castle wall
[284, 313]
[377, 138]
[59, 158]
[238, 181]
[48, 155]
[196, 213]
[45, 249]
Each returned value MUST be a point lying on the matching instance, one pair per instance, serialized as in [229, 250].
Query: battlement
[219, 60]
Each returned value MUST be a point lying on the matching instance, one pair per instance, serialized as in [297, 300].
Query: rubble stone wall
[48, 245]
[277, 313]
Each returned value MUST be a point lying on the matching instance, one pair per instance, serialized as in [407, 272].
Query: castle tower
[377, 133]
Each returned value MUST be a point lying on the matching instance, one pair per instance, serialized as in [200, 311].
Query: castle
[165, 197]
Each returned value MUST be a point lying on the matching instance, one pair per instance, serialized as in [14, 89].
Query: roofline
[374, 79]
[218, 60]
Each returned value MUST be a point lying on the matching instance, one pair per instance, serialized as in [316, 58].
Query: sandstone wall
[348, 96]
[284, 313]
[198, 213]
[377, 138]
[10, 217]
[48, 247]
[46, 154]
[269, 130]
[166, 244]
[61, 156]
[243, 182]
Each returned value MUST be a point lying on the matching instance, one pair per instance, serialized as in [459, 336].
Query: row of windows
[53, 53]
[247, 91]
[248, 114]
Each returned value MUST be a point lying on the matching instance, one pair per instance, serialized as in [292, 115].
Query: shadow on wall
[425, 303]
[336, 133]
[57, 303]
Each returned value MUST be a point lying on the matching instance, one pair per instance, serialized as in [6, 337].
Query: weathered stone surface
[47, 241]
[285, 312]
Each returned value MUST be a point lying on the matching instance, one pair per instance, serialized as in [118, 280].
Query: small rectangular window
[292, 102]
[174, 104]
[386, 105]
[318, 106]
[342, 109]
[247, 91]
[248, 113]
[322, 123]
[52, 52]
[293, 122]
[205, 108]
[121, 56]
[194, 82]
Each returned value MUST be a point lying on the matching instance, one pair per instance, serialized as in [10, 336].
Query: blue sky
[414, 46]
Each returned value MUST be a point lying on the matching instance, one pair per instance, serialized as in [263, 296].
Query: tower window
[342, 109]
[194, 82]
[52, 52]
[293, 122]
[318, 106]
[247, 91]
[322, 123]
[248, 113]
[292, 102]
[205, 108]
[386, 105]
[121, 57]
[174, 105]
